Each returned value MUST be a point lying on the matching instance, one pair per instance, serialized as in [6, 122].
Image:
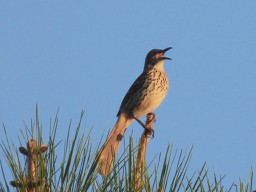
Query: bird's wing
[134, 94]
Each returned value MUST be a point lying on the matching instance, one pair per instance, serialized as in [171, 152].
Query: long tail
[111, 145]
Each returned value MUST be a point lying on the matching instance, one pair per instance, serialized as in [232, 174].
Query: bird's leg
[140, 122]
[148, 128]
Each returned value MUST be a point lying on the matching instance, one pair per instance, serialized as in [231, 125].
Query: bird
[144, 96]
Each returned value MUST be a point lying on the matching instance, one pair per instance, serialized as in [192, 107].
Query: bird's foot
[150, 131]
[151, 119]
[149, 124]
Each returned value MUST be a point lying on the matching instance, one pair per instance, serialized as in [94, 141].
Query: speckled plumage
[145, 94]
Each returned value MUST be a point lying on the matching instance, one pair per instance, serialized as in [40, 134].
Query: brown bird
[146, 94]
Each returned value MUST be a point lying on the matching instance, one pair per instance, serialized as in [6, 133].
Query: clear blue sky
[84, 55]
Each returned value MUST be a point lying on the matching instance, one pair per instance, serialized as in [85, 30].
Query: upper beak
[164, 50]
[168, 48]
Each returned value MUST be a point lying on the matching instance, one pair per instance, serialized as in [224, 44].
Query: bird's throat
[159, 66]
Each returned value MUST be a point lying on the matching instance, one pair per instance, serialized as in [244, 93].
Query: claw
[148, 130]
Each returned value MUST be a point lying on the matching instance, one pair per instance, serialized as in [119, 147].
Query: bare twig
[140, 162]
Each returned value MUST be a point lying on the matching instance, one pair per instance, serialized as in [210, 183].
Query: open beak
[164, 50]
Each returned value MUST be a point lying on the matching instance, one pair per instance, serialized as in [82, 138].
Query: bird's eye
[158, 55]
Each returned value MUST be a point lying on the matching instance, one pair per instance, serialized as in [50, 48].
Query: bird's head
[155, 57]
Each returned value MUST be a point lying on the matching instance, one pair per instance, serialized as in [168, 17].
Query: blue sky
[84, 56]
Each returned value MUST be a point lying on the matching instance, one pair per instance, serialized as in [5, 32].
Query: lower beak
[166, 58]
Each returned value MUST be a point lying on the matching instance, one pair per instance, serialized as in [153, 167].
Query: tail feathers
[110, 148]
